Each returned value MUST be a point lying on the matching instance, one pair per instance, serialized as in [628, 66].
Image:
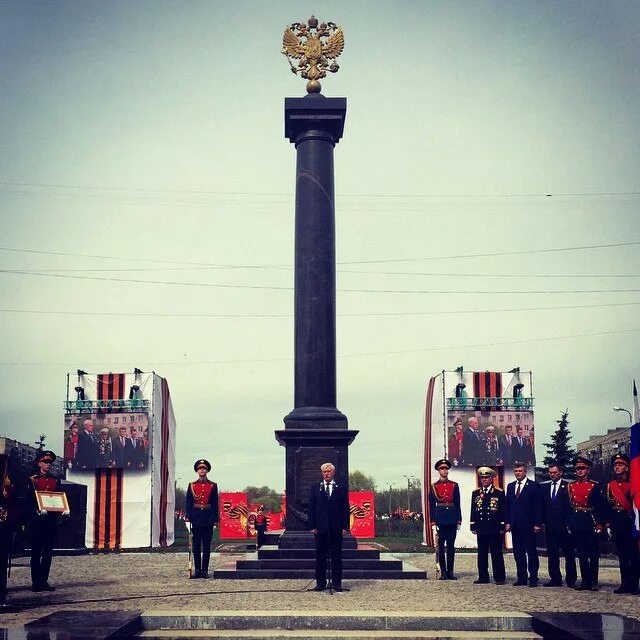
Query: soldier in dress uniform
[444, 507]
[42, 525]
[620, 522]
[202, 513]
[586, 522]
[7, 518]
[487, 523]
[261, 526]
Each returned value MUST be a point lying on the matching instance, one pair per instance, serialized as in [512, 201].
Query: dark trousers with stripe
[329, 544]
[202, 547]
[446, 548]
[586, 546]
[490, 543]
[5, 549]
[628, 556]
[525, 553]
[43, 533]
[561, 541]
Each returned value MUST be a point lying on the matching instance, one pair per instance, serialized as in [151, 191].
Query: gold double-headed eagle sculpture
[314, 44]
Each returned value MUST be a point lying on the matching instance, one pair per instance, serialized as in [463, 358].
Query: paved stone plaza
[143, 582]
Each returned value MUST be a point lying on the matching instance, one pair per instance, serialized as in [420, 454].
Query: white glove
[43, 512]
[66, 512]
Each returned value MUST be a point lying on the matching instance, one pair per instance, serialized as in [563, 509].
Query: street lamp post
[627, 410]
[390, 487]
[409, 479]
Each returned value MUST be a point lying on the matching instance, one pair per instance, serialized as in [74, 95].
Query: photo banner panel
[502, 437]
[114, 440]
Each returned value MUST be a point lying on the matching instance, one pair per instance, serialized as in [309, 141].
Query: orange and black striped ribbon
[107, 507]
[487, 384]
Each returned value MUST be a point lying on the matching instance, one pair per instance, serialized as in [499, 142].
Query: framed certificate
[52, 501]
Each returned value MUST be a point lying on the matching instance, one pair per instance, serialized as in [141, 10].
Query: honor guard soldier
[487, 523]
[42, 525]
[444, 507]
[620, 522]
[586, 522]
[202, 513]
[7, 520]
[260, 526]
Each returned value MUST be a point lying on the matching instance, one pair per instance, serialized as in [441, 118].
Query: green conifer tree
[558, 449]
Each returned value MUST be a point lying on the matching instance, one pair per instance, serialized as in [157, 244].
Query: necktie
[326, 489]
[518, 489]
[553, 492]
[520, 441]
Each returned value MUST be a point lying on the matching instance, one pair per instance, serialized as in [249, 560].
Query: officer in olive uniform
[444, 508]
[586, 522]
[42, 525]
[487, 523]
[202, 513]
[620, 522]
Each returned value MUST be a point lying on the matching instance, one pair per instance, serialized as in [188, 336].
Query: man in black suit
[521, 449]
[120, 445]
[473, 444]
[87, 457]
[556, 508]
[328, 521]
[524, 520]
[505, 442]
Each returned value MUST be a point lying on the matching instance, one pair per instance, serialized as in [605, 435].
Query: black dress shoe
[36, 587]
[195, 575]
[478, 581]
[620, 590]
[583, 587]
[534, 583]
[319, 588]
[47, 587]
[519, 583]
[500, 582]
[205, 575]
[570, 585]
[553, 583]
[338, 589]
[452, 577]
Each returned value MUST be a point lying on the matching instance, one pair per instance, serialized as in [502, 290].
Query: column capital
[314, 111]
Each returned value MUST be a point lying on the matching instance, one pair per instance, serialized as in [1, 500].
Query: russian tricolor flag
[634, 454]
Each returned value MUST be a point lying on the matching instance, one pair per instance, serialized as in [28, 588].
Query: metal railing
[511, 404]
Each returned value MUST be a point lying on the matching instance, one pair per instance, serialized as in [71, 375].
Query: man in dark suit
[505, 442]
[473, 444]
[119, 446]
[87, 457]
[524, 520]
[555, 508]
[328, 521]
[521, 449]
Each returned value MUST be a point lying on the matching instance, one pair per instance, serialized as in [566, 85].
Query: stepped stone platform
[276, 559]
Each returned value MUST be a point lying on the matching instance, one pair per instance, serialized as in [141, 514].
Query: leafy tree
[558, 449]
[265, 496]
[358, 481]
[180, 499]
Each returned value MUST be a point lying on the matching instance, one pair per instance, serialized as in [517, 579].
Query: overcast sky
[142, 144]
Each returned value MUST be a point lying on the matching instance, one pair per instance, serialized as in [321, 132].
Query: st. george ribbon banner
[234, 515]
[362, 514]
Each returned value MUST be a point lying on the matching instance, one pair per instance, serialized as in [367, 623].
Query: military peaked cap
[46, 456]
[442, 461]
[200, 463]
[620, 457]
[582, 460]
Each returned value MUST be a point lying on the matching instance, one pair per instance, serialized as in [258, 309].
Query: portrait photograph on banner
[497, 437]
[100, 440]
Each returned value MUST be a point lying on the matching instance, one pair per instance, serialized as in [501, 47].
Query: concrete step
[297, 564]
[277, 634]
[271, 551]
[494, 622]
[231, 572]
